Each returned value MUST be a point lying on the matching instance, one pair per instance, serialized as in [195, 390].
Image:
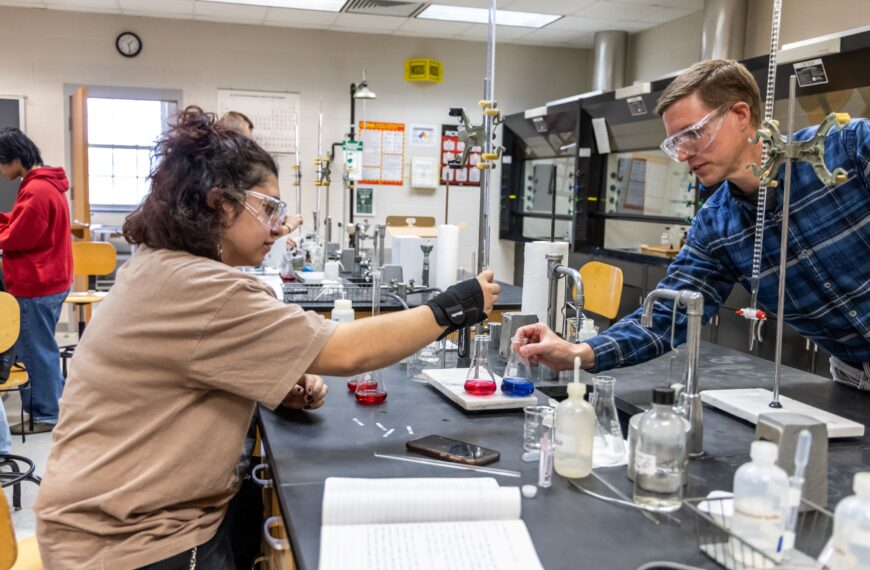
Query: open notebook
[423, 524]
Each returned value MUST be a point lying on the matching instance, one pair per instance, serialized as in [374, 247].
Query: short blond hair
[236, 121]
[717, 82]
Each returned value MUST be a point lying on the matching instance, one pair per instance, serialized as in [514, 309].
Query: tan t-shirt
[160, 395]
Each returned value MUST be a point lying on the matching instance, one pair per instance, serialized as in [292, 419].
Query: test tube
[545, 462]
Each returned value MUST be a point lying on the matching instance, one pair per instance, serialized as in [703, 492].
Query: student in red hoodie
[37, 267]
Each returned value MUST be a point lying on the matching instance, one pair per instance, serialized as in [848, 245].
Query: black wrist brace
[460, 306]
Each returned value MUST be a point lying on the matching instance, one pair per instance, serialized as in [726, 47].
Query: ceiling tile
[366, 22]
[561, 7]
[108, 6]
[432, 28]
[576, 24]
[285, 16]
[471, 3]
[502, 33]
[23, 3]
[229, 12]
[692, 5]
[662, 15]
[617, 11]
[157, 7]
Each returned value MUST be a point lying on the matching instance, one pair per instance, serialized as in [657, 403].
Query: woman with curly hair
[145, 469]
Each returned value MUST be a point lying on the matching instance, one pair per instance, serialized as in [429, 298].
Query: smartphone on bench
[453, 450]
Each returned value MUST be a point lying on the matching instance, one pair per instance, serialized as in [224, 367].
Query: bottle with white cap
[760, 500]
[342, 311]
[574, 431]
[852, 528]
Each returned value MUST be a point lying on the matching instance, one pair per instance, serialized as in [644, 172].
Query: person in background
[711, 112]
[149, 454]
[38, 269]
[240, 123]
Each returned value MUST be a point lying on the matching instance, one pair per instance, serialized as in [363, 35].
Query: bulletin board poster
[383, 159]
[451, 149]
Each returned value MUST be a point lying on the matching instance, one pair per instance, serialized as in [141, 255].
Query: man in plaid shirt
[710, 112]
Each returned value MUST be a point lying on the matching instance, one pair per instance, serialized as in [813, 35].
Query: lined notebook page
[473, 545]
[387, 501]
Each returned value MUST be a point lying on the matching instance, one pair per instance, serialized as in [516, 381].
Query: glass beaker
[608, 447]
[480, 380]
[371, 389]
[517, 378]
[538, 421]
[428, 357]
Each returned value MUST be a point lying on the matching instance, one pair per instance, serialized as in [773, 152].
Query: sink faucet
[573, 290]
[359, 234]
[690, 399]
[380, 236]
[427, 249]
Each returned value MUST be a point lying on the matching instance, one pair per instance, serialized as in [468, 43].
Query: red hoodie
[35, 236]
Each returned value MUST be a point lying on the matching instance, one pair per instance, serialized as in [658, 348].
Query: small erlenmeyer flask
[480, 380]
[371, 388]
[426, 358]
[608, 445]
[354, 380]
[517, 380]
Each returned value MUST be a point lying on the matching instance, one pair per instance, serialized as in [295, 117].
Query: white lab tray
[749, 403]
[451, 381]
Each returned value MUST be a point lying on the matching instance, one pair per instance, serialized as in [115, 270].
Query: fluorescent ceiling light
[481, 16]
[320, 5]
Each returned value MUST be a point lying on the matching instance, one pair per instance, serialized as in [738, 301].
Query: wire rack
[712, 516]
[317, 295]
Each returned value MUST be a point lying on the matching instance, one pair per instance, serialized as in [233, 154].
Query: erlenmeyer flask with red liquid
[371, 388]
[354, 380]
[480, 380]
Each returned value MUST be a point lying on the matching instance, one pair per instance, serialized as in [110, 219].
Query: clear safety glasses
[694, 139]
[271, 212]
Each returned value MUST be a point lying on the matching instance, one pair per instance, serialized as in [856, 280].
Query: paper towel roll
[447, 260]
[536, 284]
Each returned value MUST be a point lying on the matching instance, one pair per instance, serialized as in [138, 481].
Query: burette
[752, 312]
[319, 165]
[297, 170]
[487, 156]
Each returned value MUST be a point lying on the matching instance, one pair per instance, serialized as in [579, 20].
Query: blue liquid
[517, 386]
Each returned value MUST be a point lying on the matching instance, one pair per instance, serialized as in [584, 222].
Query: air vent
[382, 8]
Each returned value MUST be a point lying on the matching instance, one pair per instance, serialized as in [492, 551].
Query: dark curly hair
[196, 155]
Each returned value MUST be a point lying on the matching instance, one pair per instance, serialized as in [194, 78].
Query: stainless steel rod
[783, 248]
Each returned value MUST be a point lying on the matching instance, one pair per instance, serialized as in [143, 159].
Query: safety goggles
[694, 139]
[271, 212]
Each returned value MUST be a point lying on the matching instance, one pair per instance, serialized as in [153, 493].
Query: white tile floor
[37, 448]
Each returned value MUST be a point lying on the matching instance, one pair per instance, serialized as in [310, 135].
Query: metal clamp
[274, 543]
[811, 151]
[264, 483]
[473, 136]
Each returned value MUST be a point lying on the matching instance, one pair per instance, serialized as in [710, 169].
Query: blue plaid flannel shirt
[828, 269]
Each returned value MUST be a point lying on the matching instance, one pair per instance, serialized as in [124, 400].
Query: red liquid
[288, 278]
[371, 397]
[480, 387]
[351, 385]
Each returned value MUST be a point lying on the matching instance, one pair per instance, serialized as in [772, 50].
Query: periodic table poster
[383, 153]
[273, 113]
[451, 149]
